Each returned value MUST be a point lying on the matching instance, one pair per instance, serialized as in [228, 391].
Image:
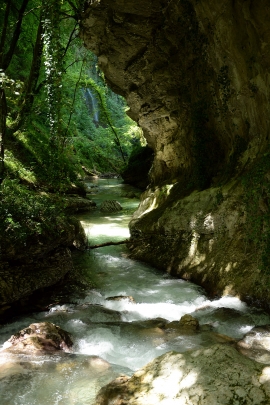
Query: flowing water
[119, 332]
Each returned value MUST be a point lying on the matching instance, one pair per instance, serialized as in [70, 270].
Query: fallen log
[122, 242]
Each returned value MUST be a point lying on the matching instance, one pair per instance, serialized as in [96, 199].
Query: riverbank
[38, 234]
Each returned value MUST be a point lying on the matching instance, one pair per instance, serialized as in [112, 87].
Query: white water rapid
[115, 331]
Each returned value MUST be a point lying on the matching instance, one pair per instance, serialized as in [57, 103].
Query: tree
[3, 115]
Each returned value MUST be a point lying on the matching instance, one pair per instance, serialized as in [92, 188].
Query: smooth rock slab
[218, 375]
[256, 344]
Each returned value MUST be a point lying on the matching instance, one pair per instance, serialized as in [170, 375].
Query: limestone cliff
[195, 74]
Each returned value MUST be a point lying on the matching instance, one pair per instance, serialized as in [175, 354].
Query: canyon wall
[195, 74]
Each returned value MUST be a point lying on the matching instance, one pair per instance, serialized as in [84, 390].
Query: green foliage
[257, 201]
[24, 213]
[53, 64]
[108, 143]
[59, 134]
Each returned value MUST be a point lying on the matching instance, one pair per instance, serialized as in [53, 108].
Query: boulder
[44, 337]
[110, 206]
[187, 323]
[128, 298]
[218, 375]
[79, 204]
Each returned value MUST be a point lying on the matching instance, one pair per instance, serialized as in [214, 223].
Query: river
[119, 332]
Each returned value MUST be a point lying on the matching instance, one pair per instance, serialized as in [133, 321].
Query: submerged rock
[110, 206]
[98, 313]
[39, 337]
[218, 375]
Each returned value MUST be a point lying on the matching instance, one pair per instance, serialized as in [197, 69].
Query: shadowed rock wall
[196, 77]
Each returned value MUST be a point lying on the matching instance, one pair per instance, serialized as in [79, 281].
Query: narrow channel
[113, 337]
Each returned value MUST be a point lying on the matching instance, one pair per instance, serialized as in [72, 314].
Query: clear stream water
[115, 331]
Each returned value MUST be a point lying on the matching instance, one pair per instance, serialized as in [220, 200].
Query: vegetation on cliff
[57, 115]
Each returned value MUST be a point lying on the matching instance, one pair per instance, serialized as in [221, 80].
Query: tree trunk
[6, 58]
[3, 116]
[30, 86]
[4, 32]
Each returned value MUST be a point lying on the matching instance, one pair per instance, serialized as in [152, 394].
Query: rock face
[218, 375]
[39, 337]
[195, 75]
[138, 168]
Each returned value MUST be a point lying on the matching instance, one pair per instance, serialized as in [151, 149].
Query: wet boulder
[110, 206]
[187, 323]
[128, 298]
[79, 204]
[217, 375]
[42, 337]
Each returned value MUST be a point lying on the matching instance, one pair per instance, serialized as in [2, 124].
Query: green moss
[257, 200]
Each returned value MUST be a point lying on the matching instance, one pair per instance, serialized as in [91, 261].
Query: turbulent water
[116, 331]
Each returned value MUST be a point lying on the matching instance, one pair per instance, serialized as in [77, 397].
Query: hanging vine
[53, 66]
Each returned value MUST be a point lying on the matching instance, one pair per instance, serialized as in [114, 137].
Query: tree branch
[117, 140]
[70, 39]
[73, 100]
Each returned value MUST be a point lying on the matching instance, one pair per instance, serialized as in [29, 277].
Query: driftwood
[122, 242]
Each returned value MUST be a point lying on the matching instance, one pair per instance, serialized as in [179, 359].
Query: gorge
[179, 312]
[195, 76]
